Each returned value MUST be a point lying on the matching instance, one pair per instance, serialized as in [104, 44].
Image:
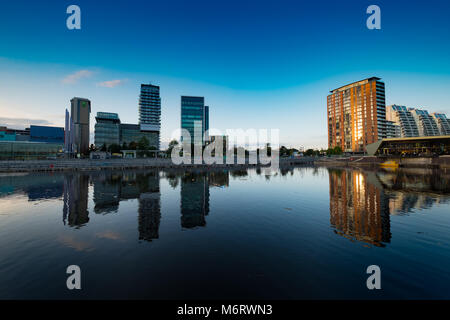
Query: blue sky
[259, 64]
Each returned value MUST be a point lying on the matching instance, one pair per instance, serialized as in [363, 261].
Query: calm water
[300, 233]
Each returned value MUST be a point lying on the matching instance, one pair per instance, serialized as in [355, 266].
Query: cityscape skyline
[272, 69]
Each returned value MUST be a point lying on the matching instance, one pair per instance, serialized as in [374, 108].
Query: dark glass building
[194, 117]
[46, 134]
[107, 129]
[133, 133]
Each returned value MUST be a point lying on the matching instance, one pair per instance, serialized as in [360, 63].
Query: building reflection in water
[415, 188]
[149, 206]
[37, 186]
[111, 188]
[194, 200]
[195, 195]
[75, 208]
[359, 209]
[361, 201]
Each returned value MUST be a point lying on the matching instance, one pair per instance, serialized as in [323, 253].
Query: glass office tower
[195, 117]
[150, 110]
[107, 129]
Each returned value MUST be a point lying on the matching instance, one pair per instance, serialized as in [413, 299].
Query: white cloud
[18, 123]
[111, 83]
[74, 77]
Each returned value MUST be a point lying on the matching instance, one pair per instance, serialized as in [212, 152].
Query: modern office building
[356, 115]
[80, 114]
[195, 118]
[425, 123]
[402, 116]
[107, 129]
[150, 110]
[35, 143]
[26, 150]
[47, 134]
[433, 145]
[7, 136]
[132, 133]
[42, 134]
[442, 122]
[206, 128]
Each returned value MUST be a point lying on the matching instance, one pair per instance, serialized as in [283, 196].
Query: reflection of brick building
[358, 207]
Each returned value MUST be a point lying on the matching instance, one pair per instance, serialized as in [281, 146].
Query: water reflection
[358, 208]
[361, 201]
[194, 200]
[75, 209]
[110, 188]
[44, 186]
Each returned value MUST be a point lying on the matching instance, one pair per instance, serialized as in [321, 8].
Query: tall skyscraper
[150, 110]
[357, 115]
[80, 113]
[195, 117]
[68, 133]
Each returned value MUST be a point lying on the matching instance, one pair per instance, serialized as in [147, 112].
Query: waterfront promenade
[442, 162]
[122, 164]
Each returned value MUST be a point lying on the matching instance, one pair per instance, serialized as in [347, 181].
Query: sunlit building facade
[356, 115]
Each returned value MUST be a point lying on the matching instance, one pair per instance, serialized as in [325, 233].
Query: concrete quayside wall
[121, 164]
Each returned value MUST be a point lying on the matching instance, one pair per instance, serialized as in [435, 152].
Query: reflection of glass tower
[107, 190]
[111, 188]
[149, 206]
[219, 179]
[76, 200]
[194, 200]
[359, 208]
